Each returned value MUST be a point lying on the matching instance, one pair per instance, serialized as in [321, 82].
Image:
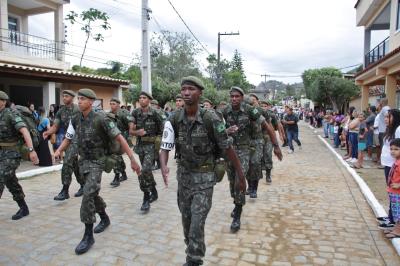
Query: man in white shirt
[381, 122]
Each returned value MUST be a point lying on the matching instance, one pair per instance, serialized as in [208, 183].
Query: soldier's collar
[91, 113]
[183, 118]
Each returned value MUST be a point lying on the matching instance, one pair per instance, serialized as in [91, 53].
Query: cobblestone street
[313, 213]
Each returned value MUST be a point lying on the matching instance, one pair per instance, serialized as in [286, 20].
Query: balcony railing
[26, 44]
[377, 53]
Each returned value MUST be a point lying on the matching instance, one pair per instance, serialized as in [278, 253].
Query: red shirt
[394, 177]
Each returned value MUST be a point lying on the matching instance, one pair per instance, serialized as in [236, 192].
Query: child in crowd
[362, 141]
[393, 188]
[336, 134]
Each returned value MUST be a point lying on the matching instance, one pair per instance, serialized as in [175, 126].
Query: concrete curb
[38, 171]
[369, 196]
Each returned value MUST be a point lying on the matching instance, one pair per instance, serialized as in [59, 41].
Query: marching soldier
[124, 122]
[148, 124]
[11, 125]
[94, 132]
[70, 161]
[239, 117]
[179, 103]
[198, 133]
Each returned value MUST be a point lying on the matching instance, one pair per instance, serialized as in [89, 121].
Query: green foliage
[90, 20]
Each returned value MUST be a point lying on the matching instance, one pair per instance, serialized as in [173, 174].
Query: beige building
[33, 68]
[381, 63]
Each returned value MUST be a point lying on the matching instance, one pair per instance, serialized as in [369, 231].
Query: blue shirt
[44, 122]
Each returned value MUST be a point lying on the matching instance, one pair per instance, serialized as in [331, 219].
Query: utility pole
[265, 79]
[146, 63]
[219, 56]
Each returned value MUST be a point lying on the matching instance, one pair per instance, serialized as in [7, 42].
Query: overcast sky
[281, 38]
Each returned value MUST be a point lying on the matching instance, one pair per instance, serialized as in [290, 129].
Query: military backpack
[31, 123]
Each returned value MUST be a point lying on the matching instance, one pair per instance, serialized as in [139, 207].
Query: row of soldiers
[243, 132]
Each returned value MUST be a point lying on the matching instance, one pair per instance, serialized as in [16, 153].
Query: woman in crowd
[43, 151]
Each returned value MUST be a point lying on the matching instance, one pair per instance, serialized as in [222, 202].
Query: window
[12, 24]
[398, 15]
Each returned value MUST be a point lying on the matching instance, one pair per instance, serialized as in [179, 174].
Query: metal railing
[377, 53]
[26, 44]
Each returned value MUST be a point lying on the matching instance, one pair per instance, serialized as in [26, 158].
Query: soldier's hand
[165, 174]
[141, 132]
[241, 185]
[135, 167]
[33, 157]
[278, 153]
[57, 155]
[46, 134]
[282, 138]
[232, 129]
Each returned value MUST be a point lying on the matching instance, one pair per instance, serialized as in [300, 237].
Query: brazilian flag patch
[18, 119]
[221, 128]
[255, 111]
[111, 124]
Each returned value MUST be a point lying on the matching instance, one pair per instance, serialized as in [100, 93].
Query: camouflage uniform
[267, 163]
[10, 158]
[123, 118]
[70, 161]
[243, 119]
[152, 122]
[196, 177]
[92, 135]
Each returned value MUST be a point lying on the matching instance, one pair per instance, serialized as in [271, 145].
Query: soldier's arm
[28, 141]
[234, 159]
[64, 145]
[267, 127]
[164, 155]
[125, 147]
[54, 128]
[281, 131]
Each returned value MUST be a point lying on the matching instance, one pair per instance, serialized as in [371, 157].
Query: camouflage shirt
[10, 124]
[152, 121]
[123, 118]
[65, 114]
[243, 119]
[93, 134]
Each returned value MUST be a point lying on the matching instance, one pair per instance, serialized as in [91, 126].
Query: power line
[191, 32]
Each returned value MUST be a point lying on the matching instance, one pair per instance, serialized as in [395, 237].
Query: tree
[90, 20]
[290, 91]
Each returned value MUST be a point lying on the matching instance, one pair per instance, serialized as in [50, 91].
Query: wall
[394, 41]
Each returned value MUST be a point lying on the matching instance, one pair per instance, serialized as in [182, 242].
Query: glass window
[398, 15]
[12, 24]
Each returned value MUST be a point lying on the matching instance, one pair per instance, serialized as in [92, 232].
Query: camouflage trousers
[256, 154]
[9, 162]
[146, 156]
[244, 157]
[194, 206]
[120, 166]
[70, 165]
[267, 155]
[91, 171]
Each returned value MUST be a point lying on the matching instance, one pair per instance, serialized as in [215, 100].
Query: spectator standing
[362, 141]
[43, 150]
[292, 129]
[35, 114]
[392, 121]
[353, 137]
[370, 134]
[384, 108]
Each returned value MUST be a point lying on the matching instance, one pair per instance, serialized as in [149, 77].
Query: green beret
[254, 95]
[148, 95]
[69, 92]
[234, 88]
[88, 93]
[154, 102]
[115, 99]
[223, 103]
[191, 80]
[264, 102]
[178, 96]
[3, 95]
[207, 100]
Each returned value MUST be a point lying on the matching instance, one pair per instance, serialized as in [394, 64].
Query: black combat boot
[23, 210]
[87, 240]
[249, 187]
[115, 182]
[146, 202]
[192, 263]
[253, 194]
[79, 193]
[234, 211]
[104, 222]
[154, 194]
[63, 195]
[235, 226]
[268, 176]
[123, 177]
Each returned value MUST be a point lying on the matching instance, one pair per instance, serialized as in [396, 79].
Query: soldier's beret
[154, 102]
[194, 81]
[207, 100]
[69, 92]
[148, 95]
[115, 99]
[3, 95]
[264, 102]
[88, 93]
[223, 103]
[234, 88]
[178, 96]
[254, 95]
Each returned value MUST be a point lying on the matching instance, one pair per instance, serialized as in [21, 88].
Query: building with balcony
[382, 62]
[33, 68]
